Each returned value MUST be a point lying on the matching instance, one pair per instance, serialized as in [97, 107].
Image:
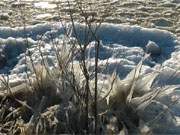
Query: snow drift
[123, 45]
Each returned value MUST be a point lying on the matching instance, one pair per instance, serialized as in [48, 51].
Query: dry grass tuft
[48, 108]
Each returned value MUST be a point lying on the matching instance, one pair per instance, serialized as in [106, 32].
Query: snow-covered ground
[122, 46]
[162, 14]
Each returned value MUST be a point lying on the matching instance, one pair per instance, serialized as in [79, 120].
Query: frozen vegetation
[123, 46]
[154, 93]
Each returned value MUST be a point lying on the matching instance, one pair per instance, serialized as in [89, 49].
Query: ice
[43, 16]
[46, 5]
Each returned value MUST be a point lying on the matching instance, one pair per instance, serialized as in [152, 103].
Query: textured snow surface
[121, 46]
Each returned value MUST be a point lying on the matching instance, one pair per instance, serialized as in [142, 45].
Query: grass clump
[69, 98]
[47, 108]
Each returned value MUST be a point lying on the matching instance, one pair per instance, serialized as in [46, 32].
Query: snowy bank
[123, 45]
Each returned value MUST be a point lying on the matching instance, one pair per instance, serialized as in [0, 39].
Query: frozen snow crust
[122, 45]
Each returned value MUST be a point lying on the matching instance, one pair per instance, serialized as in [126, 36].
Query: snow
[153, 48]
[130, 35]
[44, 5]
[43, 16]
[30, 31]
[122, 45]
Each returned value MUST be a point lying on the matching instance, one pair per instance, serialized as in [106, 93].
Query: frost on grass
[142, 94]
[133, 103]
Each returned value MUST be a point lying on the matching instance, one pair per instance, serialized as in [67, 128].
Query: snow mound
[122, 45]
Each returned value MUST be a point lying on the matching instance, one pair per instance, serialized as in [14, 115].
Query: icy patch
[43, 16]
[46, 5]
[163, 22]
[176, 1]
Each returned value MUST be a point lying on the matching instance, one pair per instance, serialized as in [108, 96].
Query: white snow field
[123, 46]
